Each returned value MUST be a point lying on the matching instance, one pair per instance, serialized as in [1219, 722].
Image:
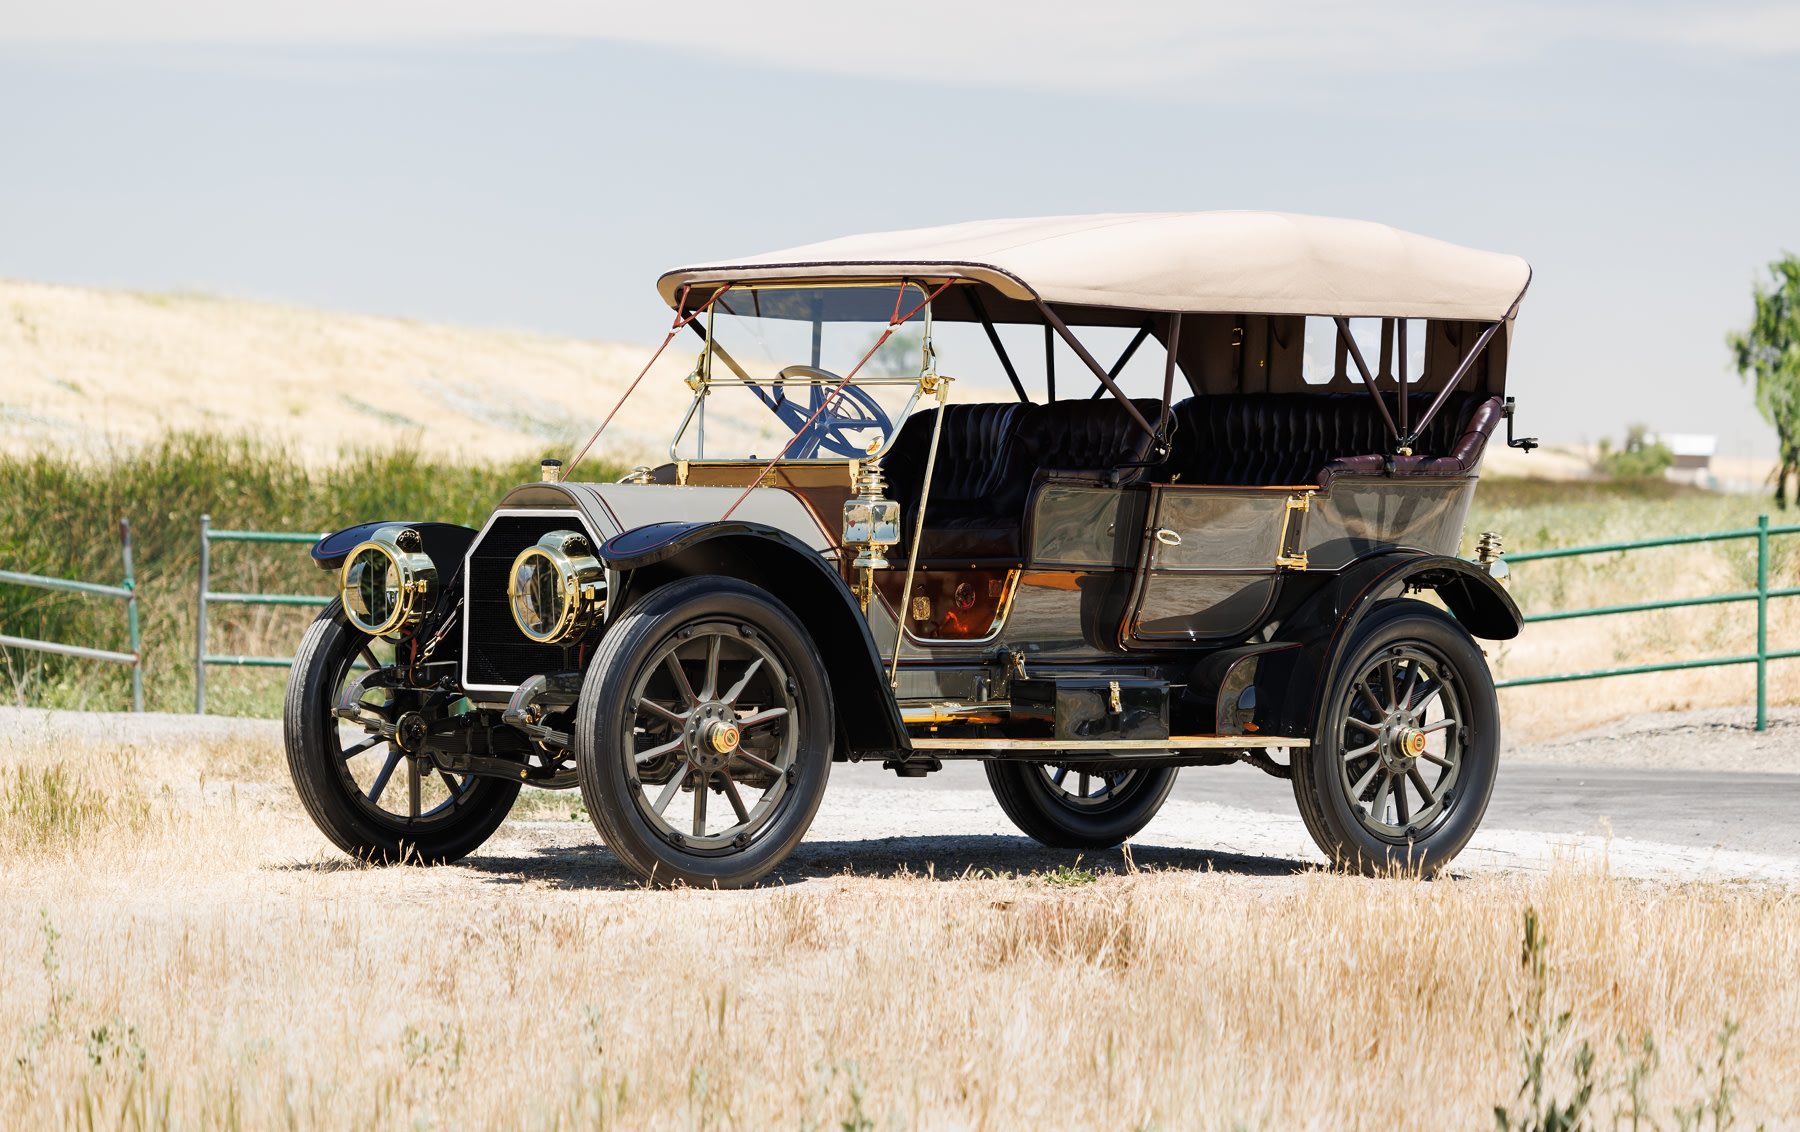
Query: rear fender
[1327, 622]
[649, 557]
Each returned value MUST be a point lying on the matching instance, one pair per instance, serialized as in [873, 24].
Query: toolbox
[1095, 707]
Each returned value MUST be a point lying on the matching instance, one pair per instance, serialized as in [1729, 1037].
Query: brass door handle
[1168, 537]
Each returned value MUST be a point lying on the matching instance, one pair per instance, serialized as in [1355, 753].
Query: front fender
[658, 542]
[1327, 622]
[445, 543]
[653, 555]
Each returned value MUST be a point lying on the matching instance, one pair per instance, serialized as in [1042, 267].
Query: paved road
[1751, 813]
[1741, 811]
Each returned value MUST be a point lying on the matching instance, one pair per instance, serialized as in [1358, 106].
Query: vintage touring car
[1253, 559]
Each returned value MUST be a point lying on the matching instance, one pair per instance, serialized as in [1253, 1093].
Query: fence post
[131, 620]
[1762, 622]
[200, 619]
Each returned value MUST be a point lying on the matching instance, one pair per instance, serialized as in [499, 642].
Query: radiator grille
[498, 654]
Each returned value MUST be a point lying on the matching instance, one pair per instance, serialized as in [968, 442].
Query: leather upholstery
[976, 506]
[1080, 436]
[1461, 460]
[990, 454]
[1266, 439]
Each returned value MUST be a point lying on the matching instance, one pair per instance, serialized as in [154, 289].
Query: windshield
[777, 354]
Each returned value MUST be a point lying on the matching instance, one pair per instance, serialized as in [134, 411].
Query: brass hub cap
[723, 737]
[1401, 742]
[711, 735]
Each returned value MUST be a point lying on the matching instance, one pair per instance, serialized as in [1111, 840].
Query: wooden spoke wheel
[703, 740]
[1403, 759]
[371, 788]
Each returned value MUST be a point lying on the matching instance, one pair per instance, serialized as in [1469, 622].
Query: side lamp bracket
[1526, 443]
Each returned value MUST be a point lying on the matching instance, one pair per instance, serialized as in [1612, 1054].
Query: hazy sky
[538, 164]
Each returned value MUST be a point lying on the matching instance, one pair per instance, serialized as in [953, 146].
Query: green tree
[1768, 350]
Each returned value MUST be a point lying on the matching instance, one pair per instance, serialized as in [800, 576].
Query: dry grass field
[88, 373]
[184, 951]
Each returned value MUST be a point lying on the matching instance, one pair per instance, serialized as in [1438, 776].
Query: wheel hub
[409, 732]
[711, 736]
[1402, 742]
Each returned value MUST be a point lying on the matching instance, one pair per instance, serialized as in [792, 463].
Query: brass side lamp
[871, 524]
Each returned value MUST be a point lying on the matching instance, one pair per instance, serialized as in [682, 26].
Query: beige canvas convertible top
[1193, 262]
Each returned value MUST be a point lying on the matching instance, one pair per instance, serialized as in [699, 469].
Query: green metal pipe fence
[1761, 595]
[202, 658]
[126, 593]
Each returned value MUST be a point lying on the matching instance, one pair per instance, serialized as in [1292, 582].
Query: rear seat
[990, 454]
[1271, 439]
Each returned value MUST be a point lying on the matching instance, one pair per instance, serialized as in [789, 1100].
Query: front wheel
[1076, 807]
[1404, 755]
[703, 739]
[370, 796]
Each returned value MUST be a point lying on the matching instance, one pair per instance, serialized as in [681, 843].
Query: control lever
[1525, 442]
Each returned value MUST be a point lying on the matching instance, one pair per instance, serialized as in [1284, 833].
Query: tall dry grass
[212, 967]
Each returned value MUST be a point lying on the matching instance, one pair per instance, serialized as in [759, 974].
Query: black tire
[1035, 797]
[642, 734]
[1409, 669]
[470, 809]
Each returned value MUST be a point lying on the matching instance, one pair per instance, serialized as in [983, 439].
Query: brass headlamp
[388, 583]
[557, 588]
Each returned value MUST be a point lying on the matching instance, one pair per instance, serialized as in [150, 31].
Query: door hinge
[1292, 556]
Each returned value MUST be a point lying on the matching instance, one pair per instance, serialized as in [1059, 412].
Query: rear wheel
[371, 796]
[1076, 807]
[703, 738]
[1404, 755]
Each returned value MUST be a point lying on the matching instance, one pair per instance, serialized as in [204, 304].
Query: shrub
[1641, 457]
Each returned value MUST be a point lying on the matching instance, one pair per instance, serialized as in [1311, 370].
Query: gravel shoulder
[1706, 739]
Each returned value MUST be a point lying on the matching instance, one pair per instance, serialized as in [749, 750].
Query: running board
[1178, 743]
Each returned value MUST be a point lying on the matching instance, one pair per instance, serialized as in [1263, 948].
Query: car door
[1213, 560]
[1082, 546]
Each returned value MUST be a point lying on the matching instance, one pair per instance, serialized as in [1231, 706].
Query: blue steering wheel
[854, 410]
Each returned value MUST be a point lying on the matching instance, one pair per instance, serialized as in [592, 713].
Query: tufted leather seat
[1266, 439]
[988, 457]
[976, 505]
[1080, 436]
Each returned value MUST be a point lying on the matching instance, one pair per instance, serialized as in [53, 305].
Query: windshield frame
[702, 379]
